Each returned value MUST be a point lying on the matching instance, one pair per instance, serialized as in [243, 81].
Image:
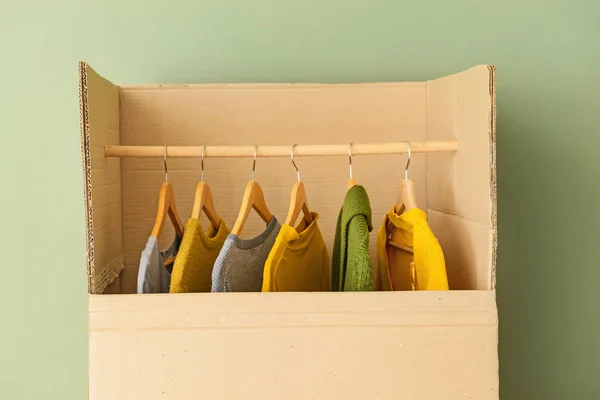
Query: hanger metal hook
[407, 161]
[350, 158]
[294, 163]
[254, 162]
[165, 161]
[202, 164]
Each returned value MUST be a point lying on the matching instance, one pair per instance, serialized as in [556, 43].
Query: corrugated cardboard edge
[493, 177]
[84, 121]
[98, 280]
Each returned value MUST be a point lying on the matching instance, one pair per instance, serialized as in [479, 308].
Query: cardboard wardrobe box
[375, 345]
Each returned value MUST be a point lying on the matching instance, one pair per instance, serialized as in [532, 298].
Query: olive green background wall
[548, 59]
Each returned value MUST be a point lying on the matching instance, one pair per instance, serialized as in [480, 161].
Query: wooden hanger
[351, 181]
[298, 199]
[406, 201]
[406, 193]
[254, 199]
[167, 207]
[203, 200]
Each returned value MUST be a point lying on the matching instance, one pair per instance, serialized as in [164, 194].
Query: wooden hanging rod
[281, 151]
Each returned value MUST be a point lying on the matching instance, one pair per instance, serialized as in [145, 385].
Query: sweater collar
[408, 219]
[300, 236]
[246, 244]
[356, 203]
[212, 237]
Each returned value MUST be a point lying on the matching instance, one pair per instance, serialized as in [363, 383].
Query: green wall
[548, 59]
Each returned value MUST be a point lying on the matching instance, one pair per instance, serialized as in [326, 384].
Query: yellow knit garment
[401, 270]
[299, 261]
[192, 271]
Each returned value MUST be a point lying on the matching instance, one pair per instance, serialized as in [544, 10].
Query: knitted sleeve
[336, 258]
[220, 268]
[359, 269]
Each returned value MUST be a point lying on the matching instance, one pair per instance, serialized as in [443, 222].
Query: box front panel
[294, 346]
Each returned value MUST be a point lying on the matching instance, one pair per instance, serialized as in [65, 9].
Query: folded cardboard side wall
[99, 102]
[457, 190]
[461, 187]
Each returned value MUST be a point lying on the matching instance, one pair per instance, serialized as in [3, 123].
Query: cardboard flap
[129, 312]
[99, 106]
[463, 185]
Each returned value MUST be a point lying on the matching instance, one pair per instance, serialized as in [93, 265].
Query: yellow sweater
[401, 270]
[192, 271]
[299, 261]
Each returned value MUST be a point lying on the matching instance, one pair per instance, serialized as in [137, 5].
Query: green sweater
[351, 268]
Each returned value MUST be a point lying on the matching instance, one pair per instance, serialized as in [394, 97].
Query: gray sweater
[240, 264]
[153, 276]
